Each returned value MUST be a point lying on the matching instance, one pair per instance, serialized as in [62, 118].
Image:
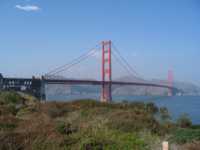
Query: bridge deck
[95, 82]
[31, 82]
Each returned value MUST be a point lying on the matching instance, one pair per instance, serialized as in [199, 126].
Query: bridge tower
[106, 93]
[170, 82]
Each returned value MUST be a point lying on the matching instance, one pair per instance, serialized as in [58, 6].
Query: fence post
[165, 145]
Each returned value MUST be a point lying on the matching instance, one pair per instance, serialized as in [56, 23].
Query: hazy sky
[153, 35]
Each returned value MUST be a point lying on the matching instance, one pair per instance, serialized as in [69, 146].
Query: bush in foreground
[184, 121]
[184, 135]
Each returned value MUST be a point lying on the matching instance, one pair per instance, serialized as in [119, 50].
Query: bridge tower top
[106, 61]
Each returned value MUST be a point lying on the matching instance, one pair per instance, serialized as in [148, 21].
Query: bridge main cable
[74, 62]
[124, 62]
[118, 60]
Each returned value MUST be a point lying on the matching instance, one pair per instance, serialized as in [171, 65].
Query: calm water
[176, 105]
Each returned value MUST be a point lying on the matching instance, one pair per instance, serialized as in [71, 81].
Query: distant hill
[137, 90]
[187, 88]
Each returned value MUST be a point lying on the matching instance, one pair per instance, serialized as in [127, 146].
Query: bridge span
[36, 86]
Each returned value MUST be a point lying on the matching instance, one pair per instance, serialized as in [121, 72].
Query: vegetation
[25, 123]
[184, 121]
[186, 135]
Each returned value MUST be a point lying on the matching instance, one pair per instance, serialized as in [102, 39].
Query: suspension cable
[124, 60]
[88, 53]
[123, 65]
[84, 57]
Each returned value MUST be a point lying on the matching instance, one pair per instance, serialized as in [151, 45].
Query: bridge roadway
[31, 81]
[36, 85]
[96, 82]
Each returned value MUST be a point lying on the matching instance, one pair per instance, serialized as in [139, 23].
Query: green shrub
[5, 126]
[184, 121]
[133, 121]
[11, 108]
[25, 110]
[10, 98]
[195, 126]
[111, 140]
[186, 135]
[65, 128]
[61, 127]
[42, 143]
[164, 114]
[152, 108]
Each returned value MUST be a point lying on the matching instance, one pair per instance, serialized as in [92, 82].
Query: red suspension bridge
[108, 52]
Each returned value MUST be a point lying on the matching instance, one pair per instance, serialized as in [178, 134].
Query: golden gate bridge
[36, 86]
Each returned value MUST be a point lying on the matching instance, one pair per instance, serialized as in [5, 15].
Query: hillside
[25, 124]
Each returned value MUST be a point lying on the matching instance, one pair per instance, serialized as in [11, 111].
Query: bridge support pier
[106, 94]
[38, 88]
[42, 90]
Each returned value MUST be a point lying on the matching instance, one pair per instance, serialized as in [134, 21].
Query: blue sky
[154, 36]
